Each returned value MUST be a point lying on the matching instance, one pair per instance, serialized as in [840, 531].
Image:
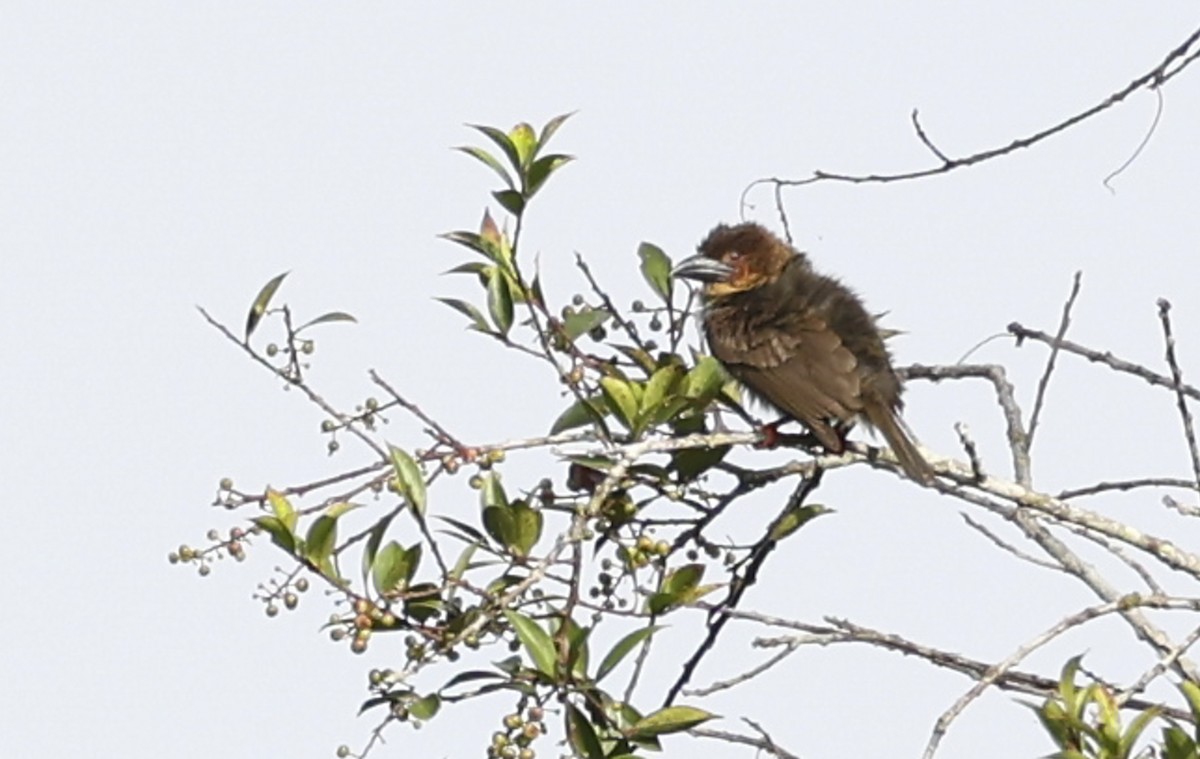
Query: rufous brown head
[737, 258]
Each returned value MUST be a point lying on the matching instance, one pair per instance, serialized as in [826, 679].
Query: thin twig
[1108, 359]
[1185, 414]
[1063, 324]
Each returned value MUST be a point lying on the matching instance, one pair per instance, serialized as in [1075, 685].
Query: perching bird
[799, 340]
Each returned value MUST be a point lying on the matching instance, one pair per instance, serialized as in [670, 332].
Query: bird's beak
[702, 269]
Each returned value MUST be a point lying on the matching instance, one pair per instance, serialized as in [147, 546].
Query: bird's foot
[770, 436]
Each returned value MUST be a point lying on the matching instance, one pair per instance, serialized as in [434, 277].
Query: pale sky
[159, 156]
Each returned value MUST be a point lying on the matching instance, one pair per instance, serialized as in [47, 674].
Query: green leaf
[412, 560]
[492, 492]
[656, 268]
[541, 169]
[1177, 744]
[524, 139]
[478, 323]
[409, 479]
[500, 525]
[332, 316]
[426, 707]
[321, 538]
[679, 586]
[527, 527]
[579, 413]
[795, 518]
[487, 159]
[511, 200]
[550, 128]
[690, 463]
[390, 570]
[373, 540]
[621, 398]
[460, 568]
[673, 719]
[261, 302]
[282, 508]
[423, 602]
[682, 579]
[472, 241]
[536, 641]
[622, 649]
[500, 302]
[582, 736]
[582, 322]
[1135, 729]
[281, 534]
[660, 386]
[638, 356]
[502, 140]
[395, 567]
[704, 380]
[1191, 691]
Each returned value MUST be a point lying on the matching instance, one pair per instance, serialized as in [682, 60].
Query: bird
[798, 340]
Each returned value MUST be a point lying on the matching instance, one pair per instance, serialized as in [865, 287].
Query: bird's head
[735, 259]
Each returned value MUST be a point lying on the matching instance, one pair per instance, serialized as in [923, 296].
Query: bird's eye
[733, 255]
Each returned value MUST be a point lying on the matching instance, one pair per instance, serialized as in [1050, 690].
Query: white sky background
[157, 156]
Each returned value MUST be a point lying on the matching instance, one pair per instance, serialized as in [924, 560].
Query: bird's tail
[900, 440]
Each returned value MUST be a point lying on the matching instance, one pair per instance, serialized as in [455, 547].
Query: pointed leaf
[525, 141]
[541, 169]
[690, 463]
[1191, 691]
[487, 159]
[281, 534]
[374, 539]
[501, 526]
[261, 302]
[656, 268]
[426, 707]
[582, 736]
[282, 508]
[622, 649]
[409, 479]
[683, 578]
[390, 570]
[492, 492]
[471, 240]
[332, 316]
[527, 527]
[582, 322]
[536, 641]
[621, 399]
[659, 387]
[469, 532]
[500, 302]
[1135, 729]
[511, 200]
[321, 538]
[412, 560]
[501, 139]
[673, 719]
[796, 518]
[705, 379]
[550, 128]
[579, 413]
[478, 323]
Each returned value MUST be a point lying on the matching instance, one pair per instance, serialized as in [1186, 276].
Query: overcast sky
[157, 156]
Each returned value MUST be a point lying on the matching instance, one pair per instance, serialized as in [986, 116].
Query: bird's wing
[797, 364]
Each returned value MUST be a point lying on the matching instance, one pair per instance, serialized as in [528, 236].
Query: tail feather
[898, 438]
